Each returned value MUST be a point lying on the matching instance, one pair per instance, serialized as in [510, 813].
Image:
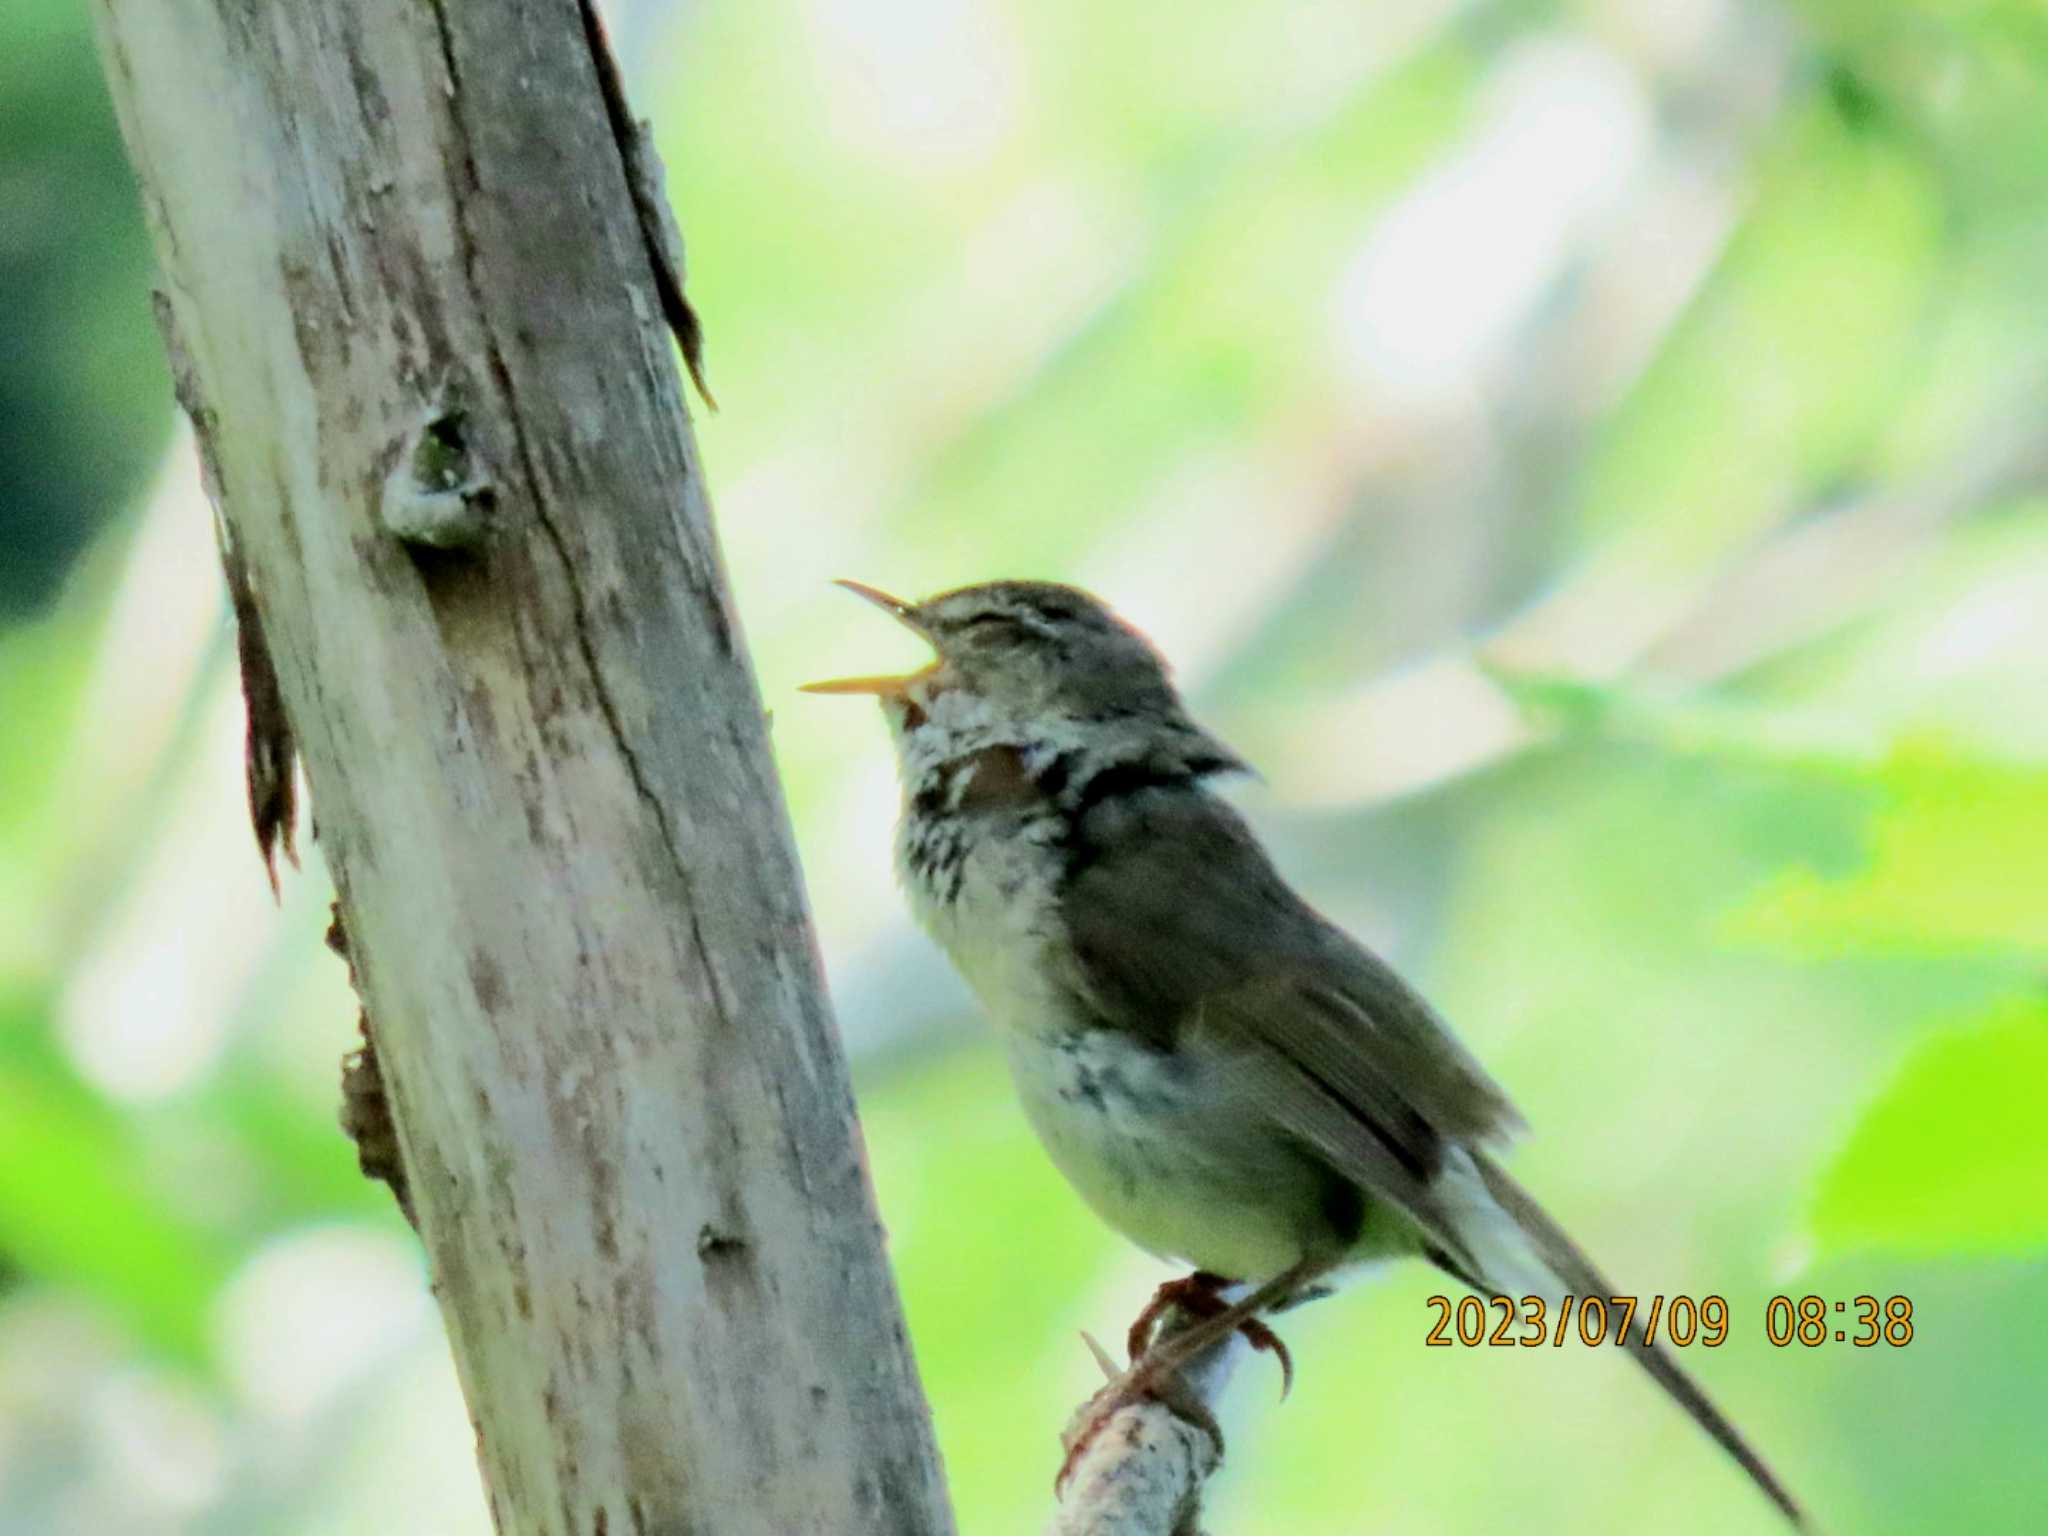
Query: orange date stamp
[1812, 1321]
[1534, 1322]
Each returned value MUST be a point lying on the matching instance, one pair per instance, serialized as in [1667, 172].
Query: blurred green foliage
[81, 419]
[1586, 455]
[86, 1218]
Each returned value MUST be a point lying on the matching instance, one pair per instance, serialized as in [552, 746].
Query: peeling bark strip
[423, 329]
[648, 179]
[366, 1119]
[365, 1108]
[269, 758]
[269, 755]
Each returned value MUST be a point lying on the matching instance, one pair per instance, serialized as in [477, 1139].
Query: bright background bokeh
[1590, 456]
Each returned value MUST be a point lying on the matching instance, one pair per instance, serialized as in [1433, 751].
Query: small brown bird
[1227, 1078]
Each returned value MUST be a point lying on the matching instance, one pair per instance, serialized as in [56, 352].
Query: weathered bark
[419, 323]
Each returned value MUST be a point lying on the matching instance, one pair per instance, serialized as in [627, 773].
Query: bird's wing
[1179, 922]
[1181, 926]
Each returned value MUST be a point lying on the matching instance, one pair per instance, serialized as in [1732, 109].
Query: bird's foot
[1156, 1372]
[1200, 1295]
[1144, 1381]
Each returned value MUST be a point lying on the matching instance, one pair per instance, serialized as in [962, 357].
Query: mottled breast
[980, 850]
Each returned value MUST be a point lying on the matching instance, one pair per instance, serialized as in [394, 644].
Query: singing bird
[1226, 1077]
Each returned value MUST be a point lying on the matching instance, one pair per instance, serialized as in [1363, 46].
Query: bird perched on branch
[1227, 1078]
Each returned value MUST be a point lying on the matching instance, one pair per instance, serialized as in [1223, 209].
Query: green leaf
[1953, 1156]
[1956, 860]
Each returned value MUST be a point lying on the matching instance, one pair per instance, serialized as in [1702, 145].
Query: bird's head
[1020, 661]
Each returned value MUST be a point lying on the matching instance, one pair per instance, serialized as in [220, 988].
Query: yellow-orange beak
[876, 685]
[904, 614]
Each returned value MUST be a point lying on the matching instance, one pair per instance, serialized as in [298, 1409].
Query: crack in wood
[501, 375]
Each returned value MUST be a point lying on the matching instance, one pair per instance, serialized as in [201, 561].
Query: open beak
[904, 614]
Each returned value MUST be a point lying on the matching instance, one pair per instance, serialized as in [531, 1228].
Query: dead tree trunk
[422, 326]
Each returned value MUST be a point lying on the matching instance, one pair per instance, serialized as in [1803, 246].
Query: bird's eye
[991, 623]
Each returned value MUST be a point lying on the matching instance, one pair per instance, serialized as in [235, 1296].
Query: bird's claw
[1200, 1295]
[1156, 1358]
[1259, 1336]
